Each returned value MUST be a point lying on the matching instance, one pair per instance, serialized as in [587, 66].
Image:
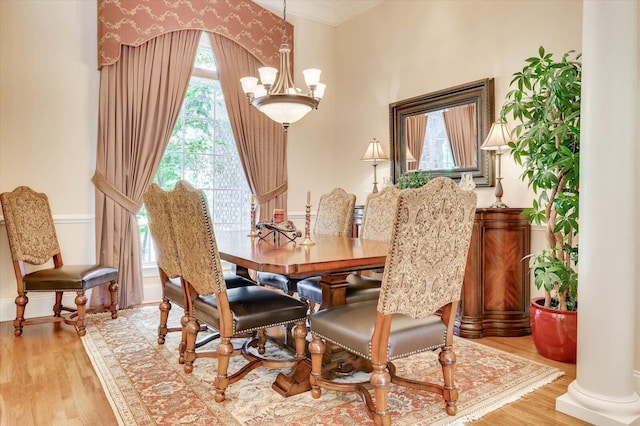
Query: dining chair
[334, 216]
[33, 240]
[237, 310]
[161, 228]
[423, 273]
[377, 222]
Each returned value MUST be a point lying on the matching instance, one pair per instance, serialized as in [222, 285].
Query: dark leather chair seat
[69, 278]
[408, 335]
[173, 288]
[253, 307]
[359, 289]
[281, 282]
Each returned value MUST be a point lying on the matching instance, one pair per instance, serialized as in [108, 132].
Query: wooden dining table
[332, 258]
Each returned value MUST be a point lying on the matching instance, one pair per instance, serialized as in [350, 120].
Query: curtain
[140, 98]
[416, 131]
[460, 124]
[262, 143]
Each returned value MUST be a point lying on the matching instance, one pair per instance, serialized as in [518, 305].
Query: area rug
[146, 385]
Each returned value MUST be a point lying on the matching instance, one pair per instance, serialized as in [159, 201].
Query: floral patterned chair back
[335, 213]
[428, 249]
[156, 202]
[379, 214]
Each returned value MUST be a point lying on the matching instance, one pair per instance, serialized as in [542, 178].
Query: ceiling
[329, 12]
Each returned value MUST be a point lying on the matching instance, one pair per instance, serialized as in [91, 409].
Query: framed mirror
[440, 133]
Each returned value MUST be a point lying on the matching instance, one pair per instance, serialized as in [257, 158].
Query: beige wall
[48, 121]
[399, 49]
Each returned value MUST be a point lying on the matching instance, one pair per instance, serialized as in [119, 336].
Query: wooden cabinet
[495, 293]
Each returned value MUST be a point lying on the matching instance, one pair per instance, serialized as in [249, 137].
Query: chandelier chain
[285, 39]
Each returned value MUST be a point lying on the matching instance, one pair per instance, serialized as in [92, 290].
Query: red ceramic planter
[554, 332]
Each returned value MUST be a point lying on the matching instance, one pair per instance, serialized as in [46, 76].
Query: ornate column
[603, 392]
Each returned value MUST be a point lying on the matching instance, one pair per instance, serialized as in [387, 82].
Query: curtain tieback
[280, 189]
[115, 194]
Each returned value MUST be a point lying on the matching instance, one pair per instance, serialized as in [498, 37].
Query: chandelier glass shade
[275, 94]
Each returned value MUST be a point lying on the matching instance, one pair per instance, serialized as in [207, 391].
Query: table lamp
[497, 139]
[374, 153]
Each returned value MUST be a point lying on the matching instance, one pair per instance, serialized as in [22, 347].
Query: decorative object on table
[374, 153]
[277, 229]
[307, 223]
[466, 182]
[278, 215]
[497, 139]
[414, 179]
[279, 99]
[545, 102]
[253, 233]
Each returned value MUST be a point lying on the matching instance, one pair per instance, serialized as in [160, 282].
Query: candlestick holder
[253, 232]
[307, 228]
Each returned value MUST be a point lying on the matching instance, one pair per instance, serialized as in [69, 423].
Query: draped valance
[134, 22]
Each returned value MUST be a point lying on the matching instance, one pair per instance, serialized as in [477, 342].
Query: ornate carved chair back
[156, 201]
[335, 213]
[30, 228]
[195, 240]
[379, 214]
[428, 249]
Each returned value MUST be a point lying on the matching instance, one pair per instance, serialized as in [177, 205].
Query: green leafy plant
[414, 179]
[545, 102]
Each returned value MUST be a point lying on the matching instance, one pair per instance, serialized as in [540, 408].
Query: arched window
[202, 150]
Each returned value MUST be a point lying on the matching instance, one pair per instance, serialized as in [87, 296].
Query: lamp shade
[499, 136]
[374, 152]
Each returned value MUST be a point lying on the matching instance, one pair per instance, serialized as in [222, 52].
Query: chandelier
[279, 99]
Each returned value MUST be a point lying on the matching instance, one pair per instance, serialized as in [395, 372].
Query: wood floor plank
[48, 364]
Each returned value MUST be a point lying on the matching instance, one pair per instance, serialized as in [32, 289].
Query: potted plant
[413, 179]
[545, 103]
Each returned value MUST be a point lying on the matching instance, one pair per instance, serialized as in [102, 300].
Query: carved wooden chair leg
[300, 336]
[165, 308]
[447, 359]
[183, 342]
[316, 348]
[380, 379]
[113, 293]
[21, 303]
[57, 306]
[262, 341]
[191, 330]
[81, 303]
[225, 350]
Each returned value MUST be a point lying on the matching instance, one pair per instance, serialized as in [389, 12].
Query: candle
[308, 198]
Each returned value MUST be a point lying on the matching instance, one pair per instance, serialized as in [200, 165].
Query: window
[438, 156]
[202, 150]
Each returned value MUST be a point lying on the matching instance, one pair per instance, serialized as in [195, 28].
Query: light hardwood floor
[46, 378]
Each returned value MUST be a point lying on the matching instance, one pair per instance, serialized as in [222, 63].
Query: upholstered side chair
[237, 310]
[161, 227]
[33, 240]
[377, 222]
[423, 273]
[334, 217]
